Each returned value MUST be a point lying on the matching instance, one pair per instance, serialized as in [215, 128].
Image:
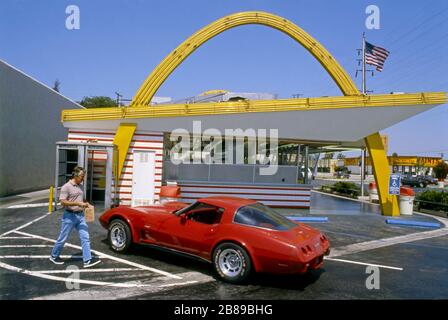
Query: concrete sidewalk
[24, 198]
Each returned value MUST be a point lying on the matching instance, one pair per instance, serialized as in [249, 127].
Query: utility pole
[119, 96]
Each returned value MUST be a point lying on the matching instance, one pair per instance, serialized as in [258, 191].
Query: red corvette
[236, 235]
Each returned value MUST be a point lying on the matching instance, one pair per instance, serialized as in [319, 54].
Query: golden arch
[178, 55]
[389, 204]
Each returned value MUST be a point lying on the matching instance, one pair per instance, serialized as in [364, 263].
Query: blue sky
[121, 41]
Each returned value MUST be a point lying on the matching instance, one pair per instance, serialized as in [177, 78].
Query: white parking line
[23, 226]
[24, 256]
[133, 264]
[70, 280]
[89, 270]
[385, 242]
[365, 264]
[15, 238]
[110, 293]
[26, 246]
[31, 205]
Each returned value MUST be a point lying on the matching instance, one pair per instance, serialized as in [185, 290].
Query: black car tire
[119, 226]
[236, 250]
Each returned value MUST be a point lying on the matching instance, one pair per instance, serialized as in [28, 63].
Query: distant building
[30, 125]
[224, 95]
[398, 164]
[160, 100]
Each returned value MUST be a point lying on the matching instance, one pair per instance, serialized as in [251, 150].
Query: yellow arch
[389, 204]
[178, 55]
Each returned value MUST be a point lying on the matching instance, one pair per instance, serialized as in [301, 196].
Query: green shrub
[433, 200]
[346, 188]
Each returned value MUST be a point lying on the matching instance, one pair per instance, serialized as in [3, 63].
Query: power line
[415, 17]
[404, 35]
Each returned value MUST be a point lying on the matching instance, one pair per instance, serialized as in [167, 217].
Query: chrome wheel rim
[118, 236]
[230, 262]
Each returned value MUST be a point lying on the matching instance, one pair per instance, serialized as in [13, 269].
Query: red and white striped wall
[142, 140]
[275, 196]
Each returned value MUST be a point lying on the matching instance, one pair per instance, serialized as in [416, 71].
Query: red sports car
[236, 235]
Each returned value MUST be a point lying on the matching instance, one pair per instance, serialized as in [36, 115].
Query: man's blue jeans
[70, 221]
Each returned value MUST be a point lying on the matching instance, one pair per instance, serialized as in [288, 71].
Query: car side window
[259, 215]
[205, 213]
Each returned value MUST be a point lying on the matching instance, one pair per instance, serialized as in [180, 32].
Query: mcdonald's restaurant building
[125, 149]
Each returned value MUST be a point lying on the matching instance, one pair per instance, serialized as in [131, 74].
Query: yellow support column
[381, 172]
[122, 140]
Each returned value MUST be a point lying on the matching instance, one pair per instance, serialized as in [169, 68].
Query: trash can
[406, 200]
[373, 192]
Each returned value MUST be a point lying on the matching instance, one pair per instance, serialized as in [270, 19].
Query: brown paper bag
[89, 214]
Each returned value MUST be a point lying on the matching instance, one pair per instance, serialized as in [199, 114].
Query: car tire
[119, 236]
[231, 262]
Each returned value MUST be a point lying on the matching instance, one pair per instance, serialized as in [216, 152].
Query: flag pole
[364, 90]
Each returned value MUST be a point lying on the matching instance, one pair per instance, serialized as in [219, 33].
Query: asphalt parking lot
[411, 262]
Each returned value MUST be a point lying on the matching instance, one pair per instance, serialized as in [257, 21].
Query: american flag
[376, 56]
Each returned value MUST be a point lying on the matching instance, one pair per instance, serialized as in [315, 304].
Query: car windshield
[183, 210]
[259, 215]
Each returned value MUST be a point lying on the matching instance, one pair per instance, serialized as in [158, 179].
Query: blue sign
[394, 184]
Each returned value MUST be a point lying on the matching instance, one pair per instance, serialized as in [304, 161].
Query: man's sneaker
[56, 260]
[91, 262]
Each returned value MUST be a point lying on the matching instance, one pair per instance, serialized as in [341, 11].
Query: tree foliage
[441, 170]
[98, 102]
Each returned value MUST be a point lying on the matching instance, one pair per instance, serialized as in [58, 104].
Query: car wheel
[231, 262]
[119, 235]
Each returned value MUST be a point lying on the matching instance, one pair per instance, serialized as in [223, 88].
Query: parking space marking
[110, 293]
[26, 246]
[31, 205]
[15, 238]
[161, 281]
[385, 242]
[89, 270]
[24, 225]
[133, 264]
[70, 280]
[24, 256]
[365, 264]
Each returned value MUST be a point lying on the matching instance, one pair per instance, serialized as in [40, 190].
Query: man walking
[72, 198]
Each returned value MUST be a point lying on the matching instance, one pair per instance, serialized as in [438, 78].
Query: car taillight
[306, 249]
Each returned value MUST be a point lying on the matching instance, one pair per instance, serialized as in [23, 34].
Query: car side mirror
[183, 217]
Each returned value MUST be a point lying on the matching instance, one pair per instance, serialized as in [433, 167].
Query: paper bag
[89, 214]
